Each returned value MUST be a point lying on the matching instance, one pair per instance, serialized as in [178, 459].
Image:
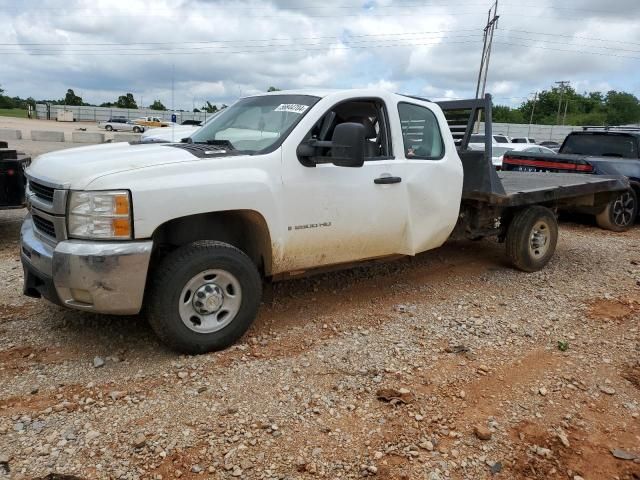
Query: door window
[370, 113]
[420, 132]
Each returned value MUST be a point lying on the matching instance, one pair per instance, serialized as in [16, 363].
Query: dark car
[594, 151]
[195, 123]
[12, 177]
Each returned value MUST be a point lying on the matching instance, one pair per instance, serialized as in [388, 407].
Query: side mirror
[346, 148]
[347, 145]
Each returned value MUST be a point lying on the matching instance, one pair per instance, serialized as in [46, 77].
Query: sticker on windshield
[291, 107]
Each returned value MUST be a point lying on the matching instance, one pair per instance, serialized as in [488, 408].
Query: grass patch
[13, 112]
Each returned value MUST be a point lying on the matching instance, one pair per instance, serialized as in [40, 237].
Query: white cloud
[217, 50]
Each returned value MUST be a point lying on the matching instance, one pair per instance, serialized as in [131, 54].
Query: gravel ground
[447, 365]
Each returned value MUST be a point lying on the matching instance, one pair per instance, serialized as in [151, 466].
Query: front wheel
[136, 129]
[203, 297]
[531, 238]
[108, 128]
[620, 214]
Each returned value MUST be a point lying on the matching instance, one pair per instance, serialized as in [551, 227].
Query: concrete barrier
[126, 137]
[47, 136]
[87, 137]
[8, 134]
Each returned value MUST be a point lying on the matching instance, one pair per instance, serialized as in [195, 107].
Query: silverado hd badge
[309, 225]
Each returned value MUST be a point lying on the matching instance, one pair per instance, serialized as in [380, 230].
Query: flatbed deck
[527, 188]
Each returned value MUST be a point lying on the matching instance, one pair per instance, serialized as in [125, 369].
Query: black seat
[371, 149]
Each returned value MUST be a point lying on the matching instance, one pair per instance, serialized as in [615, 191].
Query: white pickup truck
[277, 185]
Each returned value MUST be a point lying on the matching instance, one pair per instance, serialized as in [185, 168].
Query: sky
[185, 52]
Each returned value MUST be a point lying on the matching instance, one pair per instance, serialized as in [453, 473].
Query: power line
[570, 44]
[211, 43]
[568, 51]
[324, 48]
[223, 48]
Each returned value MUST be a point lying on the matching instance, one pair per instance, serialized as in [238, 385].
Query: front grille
[42, 191]
[45, 226]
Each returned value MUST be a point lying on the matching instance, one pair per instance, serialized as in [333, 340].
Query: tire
[108, 128]
[136, 130]
[531, 238]
[224, 277]
[620, 214]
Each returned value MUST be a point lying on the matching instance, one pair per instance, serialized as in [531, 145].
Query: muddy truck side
[276, 186]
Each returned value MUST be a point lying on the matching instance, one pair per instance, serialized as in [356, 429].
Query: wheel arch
[244, 229]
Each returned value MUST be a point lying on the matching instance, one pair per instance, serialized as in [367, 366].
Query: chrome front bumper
[100, 277]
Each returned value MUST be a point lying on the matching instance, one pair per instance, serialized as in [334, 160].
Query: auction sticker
[291, 107]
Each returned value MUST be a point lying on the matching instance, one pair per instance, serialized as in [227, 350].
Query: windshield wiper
[221, 143]
[612, 155]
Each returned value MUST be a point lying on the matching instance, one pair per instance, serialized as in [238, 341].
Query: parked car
[195, 123]
[522, 140]
[594, 151]
[12, 177]
[555, 146]
[151, 122]
[279, 184]
[477, 140]
[121, 124]
[500, 151]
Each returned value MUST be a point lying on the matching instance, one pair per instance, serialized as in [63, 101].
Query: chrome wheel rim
[210, 301]
[539, 239]
[622, 210]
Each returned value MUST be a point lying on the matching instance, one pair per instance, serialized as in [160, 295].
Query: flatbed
[518, 208]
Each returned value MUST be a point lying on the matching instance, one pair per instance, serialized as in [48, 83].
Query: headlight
[100, 215]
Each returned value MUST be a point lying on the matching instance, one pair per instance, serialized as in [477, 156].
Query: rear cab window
[602, 145]
[420, 132]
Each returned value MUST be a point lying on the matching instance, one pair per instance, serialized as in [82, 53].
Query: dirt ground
[450, 365]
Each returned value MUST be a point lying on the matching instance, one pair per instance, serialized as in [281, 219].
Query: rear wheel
[531, 238]
[619, 214]
[108, 128]
[203, 297]
[136, 129]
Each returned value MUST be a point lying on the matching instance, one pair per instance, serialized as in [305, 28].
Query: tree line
[566, 106]
[72, 99]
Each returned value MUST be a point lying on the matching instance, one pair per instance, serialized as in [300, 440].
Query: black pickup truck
[594, 151]
[12, 177]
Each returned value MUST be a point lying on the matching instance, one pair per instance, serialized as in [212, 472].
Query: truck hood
[77, 167]
[168, 134]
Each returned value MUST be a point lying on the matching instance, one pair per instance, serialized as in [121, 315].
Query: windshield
[601, 145]
[255, 124]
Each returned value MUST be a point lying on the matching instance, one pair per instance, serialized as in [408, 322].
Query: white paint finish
[341, 214]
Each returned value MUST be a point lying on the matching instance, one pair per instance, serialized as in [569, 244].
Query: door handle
[387, 180]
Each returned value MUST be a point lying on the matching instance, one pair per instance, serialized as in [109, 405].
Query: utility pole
[562, 84]
[564, 118]
[492, 24]
[533, 109]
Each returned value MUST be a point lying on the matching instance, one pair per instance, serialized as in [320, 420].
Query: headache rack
[479, 173]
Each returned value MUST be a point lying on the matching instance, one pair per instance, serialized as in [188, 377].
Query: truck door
[431, 172]
[337, 214]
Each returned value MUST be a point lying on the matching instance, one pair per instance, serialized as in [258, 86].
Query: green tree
[621, 108]
[72, 99]
[209, 107]
[273, 89]
[126, 101]
[157, 105]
